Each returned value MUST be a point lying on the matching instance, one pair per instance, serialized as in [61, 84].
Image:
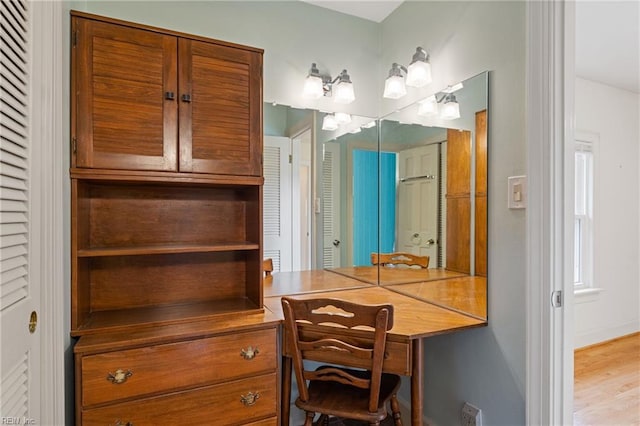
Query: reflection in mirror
[316, 182]
[439, 210]
[339, 200]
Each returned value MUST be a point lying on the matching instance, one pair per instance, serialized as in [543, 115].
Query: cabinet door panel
[220, 122]
[123, 120]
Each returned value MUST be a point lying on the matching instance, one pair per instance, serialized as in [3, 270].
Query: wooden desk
[467, 295]
[414, 319]
[387, 276]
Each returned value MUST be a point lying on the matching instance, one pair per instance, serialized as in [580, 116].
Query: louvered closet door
[332, 240]
[220, 109]
[125, 115]
[277, 210]
[19, 362]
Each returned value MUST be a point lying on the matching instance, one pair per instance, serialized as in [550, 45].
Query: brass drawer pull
[120, 376]
[249, 399]
[121, 423]
[249, 353]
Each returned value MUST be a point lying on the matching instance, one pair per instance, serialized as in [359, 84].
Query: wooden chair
[267, 266]
[354, 387]
[394, 259]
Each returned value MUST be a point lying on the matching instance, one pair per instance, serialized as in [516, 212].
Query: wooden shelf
[167, 249]
[131, 319]
[178, 178]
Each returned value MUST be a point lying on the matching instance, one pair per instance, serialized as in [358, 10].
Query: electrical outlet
[470, 415]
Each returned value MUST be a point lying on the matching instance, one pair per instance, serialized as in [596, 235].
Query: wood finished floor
[607, 383]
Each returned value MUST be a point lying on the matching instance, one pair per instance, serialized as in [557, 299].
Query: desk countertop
[414, 318]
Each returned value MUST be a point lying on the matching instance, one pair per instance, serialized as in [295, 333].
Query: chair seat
[347, 401]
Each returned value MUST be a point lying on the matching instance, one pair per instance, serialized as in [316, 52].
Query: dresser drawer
[220, 404]
[162, 368]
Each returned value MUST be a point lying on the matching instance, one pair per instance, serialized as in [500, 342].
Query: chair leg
[395, 409]
[308, 421]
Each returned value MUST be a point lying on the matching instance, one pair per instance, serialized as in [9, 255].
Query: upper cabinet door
[220, 109]
[125, 78]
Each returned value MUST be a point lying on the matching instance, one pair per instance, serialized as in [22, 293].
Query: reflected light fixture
[317, 85]
[428, 107]
[450, 109]
[342, 117]
[329, 122]
[418, 74]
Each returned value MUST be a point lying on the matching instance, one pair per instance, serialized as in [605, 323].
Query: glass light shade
[343, 93]
[394, 87]
[313, 87]
[450, 110]
[419, 74]
[329, 122]
[343, 117]
[428, 107]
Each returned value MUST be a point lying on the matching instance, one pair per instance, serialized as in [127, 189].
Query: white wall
[613, 115]
[484, 366]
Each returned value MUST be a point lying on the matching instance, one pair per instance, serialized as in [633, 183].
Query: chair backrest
[267, 266]
[386, 259]
[322, 330]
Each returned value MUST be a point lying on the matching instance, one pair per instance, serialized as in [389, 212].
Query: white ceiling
[374, 10]
[607, 36]
[608, 42]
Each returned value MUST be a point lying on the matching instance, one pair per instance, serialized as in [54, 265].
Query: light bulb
[329, 122]
[394, 87]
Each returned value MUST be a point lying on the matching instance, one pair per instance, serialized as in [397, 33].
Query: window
[583, 221]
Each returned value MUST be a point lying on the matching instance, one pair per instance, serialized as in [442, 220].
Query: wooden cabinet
[166, 229]
[481, 194]
[458, 200]
[148, 100]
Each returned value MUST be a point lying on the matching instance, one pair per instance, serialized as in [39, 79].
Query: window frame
[584, 242]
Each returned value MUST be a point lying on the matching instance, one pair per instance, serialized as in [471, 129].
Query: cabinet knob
[120, 376]
[249, 353]
[186, 98]
[169, 96]
[249, 399]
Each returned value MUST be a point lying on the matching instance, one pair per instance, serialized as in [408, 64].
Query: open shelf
[125, 319]
[167, 249]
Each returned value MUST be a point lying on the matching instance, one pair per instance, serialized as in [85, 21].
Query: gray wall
[485, 366]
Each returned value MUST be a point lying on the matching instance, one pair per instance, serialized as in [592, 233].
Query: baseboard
[600, 336]
[405, 410]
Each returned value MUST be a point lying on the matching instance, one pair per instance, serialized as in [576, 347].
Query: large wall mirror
[338, 198]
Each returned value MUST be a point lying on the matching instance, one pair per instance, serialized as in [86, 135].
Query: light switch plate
[517, 196]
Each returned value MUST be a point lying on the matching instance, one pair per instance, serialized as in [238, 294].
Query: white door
[332, 246]
[19, 296]
[277, 218]
[418, 202]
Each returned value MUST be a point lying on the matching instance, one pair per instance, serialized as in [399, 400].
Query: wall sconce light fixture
[428, 107]
[317, 86]
[418, 74]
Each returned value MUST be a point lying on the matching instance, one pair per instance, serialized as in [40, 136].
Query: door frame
[550, 126]
[49, 195]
